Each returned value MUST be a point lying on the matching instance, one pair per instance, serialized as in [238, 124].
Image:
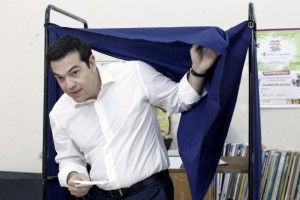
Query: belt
[126, 191]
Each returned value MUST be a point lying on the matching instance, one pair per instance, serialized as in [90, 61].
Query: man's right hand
[77, 191]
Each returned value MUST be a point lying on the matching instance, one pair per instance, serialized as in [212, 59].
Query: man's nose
[70, 83]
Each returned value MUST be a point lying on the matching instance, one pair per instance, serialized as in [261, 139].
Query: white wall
[22, 48]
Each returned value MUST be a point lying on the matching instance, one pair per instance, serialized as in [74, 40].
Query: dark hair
[68, 44]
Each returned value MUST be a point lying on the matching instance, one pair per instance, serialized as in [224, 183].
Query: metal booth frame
[251, 52]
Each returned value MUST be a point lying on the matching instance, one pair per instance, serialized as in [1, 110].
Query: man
[106, 119]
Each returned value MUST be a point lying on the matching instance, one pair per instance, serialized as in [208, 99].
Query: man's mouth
[75, 93]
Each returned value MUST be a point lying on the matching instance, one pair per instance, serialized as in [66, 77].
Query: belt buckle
[113, 193]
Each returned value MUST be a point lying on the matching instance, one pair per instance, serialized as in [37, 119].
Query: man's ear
[92, 62]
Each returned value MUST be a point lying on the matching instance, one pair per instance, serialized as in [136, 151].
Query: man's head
[67, 44]
[74, 68]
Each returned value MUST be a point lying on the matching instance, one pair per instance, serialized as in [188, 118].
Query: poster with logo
[278, 60]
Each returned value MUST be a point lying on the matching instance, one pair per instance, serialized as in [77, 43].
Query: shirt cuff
[64, 172]
[188, 93]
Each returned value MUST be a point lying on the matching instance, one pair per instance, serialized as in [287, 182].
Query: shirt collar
[105, 75]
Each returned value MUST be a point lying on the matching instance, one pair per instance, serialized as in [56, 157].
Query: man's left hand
[202, 58]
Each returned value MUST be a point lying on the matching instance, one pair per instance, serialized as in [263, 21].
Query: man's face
[75, 78]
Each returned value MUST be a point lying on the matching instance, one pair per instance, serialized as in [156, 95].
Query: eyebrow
[72, 68]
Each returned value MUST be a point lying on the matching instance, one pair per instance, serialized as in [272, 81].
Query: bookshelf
[280, 176]
[234, 164]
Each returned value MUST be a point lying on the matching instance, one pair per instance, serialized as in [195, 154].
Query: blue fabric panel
[162, 50]
[202, 130]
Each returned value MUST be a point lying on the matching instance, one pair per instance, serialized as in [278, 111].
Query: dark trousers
[159, 190]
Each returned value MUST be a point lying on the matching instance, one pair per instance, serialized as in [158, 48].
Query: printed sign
[278, 60]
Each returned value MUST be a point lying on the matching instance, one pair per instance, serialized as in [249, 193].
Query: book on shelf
[288, 192]
[287, 177]
[244, 186]
[278, 175]
[266, 169]
[297, 196]
[283, 175]
[275, 156]
[295, 181]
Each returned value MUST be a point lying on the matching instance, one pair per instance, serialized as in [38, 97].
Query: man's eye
[59, 78]
[75, 73]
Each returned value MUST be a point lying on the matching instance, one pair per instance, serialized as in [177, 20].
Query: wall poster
[278, 62]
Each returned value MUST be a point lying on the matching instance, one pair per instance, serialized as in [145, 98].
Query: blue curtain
[202, 130]
[53, 189]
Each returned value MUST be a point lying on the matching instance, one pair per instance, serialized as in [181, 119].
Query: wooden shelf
[233, 165]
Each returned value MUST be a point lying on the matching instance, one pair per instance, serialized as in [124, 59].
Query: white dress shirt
[118, 133]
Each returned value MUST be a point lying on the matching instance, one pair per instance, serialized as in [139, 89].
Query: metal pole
[45, 111]
[252, 45]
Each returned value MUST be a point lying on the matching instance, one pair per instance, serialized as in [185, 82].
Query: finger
[79, 192]
[195, 48]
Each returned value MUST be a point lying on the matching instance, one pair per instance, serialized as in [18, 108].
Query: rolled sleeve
[188, 93]
[63, 173]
